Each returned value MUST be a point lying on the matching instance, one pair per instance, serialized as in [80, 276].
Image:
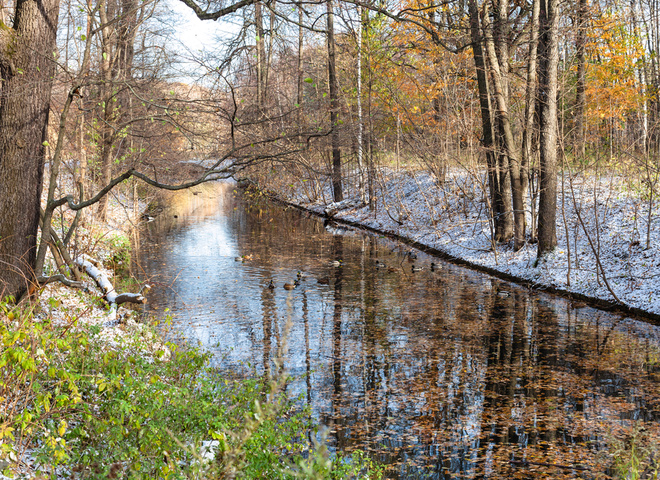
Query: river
[438, 373]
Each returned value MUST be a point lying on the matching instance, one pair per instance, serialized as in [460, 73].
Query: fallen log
[93, 268]
[335, 207]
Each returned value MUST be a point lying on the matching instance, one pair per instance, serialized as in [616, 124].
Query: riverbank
[607, 250]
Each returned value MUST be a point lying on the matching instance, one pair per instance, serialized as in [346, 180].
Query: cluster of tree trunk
[120, 113]
[508, 164]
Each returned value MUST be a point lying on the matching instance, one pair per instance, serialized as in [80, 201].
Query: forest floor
[603, 252]
[78, 310]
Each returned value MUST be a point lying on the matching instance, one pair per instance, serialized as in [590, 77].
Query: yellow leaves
[6, 431]
[613, 53]
[61, 429]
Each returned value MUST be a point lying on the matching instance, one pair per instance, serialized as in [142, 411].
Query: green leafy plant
[636, 456]
[100, 412]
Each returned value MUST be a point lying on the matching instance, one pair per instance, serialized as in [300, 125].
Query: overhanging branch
[204, 15]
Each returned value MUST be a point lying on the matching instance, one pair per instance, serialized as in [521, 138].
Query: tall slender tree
[547, 101]
[498, 195]
[337, 191]
[507, 156]
[580, 87]
[530, 120]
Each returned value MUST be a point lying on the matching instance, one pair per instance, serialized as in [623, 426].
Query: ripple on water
[433, 373]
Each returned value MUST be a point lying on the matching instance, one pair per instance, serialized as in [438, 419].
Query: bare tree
[547, 102]
[333, 87]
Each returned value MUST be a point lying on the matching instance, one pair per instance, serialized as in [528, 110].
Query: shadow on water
[438, 373]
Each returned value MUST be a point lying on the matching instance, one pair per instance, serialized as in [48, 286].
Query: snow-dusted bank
[602, 221]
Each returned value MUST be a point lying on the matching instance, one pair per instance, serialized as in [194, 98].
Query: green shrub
[636, 456]
[95, 412]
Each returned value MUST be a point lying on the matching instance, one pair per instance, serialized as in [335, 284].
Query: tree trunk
[360, 139]
[530, 109]
[509, 160]
[337, 191]
[299, 95]
[580, 93]
[495, 184]
[367, 139]
[547, 98]
[108, 41]
[26, 70]
[261, 55]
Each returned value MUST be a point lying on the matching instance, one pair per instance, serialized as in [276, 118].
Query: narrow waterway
[438, 373]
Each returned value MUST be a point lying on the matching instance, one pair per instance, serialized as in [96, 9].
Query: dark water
[439, 374]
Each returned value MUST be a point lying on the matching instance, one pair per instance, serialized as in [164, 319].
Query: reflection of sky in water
[436, 372]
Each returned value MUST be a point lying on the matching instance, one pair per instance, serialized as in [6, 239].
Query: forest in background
[322, 94]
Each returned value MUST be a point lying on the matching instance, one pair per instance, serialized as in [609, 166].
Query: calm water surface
[442, 373]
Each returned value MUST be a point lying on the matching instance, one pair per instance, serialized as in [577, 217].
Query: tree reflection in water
[437, 374]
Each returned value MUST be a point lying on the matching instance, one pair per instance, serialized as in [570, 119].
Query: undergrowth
[636, 455]
[77, 409]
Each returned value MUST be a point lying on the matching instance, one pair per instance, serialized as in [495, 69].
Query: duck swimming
[291, 286]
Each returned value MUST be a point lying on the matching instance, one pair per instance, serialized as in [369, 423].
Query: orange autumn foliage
[417, 81]
[612, 88]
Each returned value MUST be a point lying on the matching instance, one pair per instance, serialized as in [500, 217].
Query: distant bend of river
[438, 373]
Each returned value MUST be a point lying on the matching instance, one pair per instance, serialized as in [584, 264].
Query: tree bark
[580, 92]
[530, 109]
[261, 55]
[547, 98]
[337, 190]
[360, 136]
[26, 71]
[509, 159]
[495, 184]
[299, 93]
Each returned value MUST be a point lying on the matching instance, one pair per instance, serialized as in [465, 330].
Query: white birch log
[93, 268]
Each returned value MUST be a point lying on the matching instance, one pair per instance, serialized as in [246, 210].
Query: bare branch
[60, 278]
[204, 15]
